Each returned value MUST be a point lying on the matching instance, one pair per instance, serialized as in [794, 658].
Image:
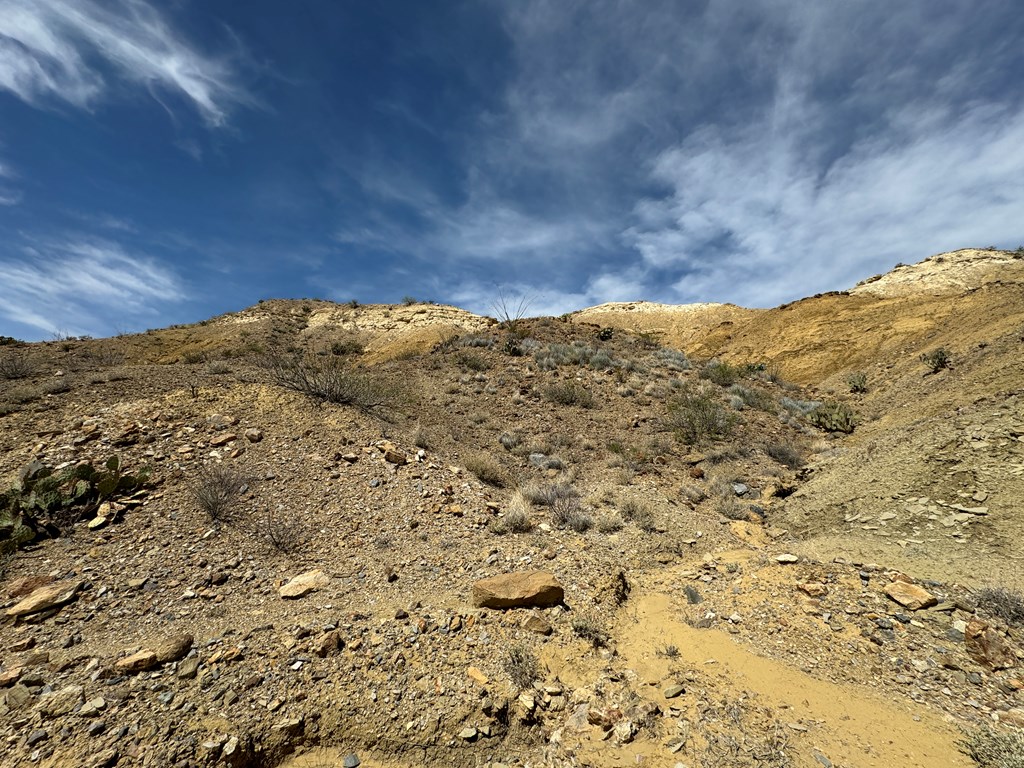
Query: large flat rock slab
[523, 589]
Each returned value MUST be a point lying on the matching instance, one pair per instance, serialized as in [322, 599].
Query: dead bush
[15, 366]
[522, 666]
[216, 489]
[1007, 604]
[569, 512]
[330, 380]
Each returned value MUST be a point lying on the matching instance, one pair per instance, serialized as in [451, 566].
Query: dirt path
[849, 726]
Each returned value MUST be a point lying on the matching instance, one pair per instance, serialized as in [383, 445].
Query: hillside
[726, 583]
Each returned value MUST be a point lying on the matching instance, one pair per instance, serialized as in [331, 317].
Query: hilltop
[759, 563]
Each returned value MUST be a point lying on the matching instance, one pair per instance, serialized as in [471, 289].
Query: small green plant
[668, 652]
[648, 339]
[995, 749]
[45, 501]
[697, 416]
[937, 360]
[833, 416]
[569, 393]
[857, 382]
[522, 666]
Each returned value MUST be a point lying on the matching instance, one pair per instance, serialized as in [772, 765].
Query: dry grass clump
[216, 488]
[995, 749]
[1007, 604]
[786, 453]
[610, 523]
[547, 495]
[638, 512]
[569, 512]
[517, 518]
[569, 393]
[486, 469]
[509, 440]
[588, 627]
[752, 397]
[522, 666]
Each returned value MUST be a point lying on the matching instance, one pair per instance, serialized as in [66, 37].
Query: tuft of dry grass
[486, 469]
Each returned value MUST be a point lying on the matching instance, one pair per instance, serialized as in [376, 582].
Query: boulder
[910, 596]
[523, 589]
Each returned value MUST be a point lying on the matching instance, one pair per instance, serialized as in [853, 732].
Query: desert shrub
[697, 416]
[995, 749]
[569, 512]
[673, 359]
[218, 368]
[547, 495]
[216, 489]
[638, 512]
[326, 380]
[522, 666]
[937, 359]
[857, 382]
[508, 440]
[486, 469]
[588, 627]
[569, 393]
[55, 386]
[472, 361]
[610, 523]
[282, 530]
[786, 453]
[476, 340]
[799, 407]
[194, 357]
[14, 366]
[408, 301]
[647, 339]
[833, 416]
[754, 398]
[731, 509]
[721, 373]
[1007, 604]
[344, 347]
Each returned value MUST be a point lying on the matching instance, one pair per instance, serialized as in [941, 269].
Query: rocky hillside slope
[398, 536]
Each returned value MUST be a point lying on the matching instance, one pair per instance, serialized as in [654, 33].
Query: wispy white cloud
[8, 194]
[67, 50]
[83, 286]
[710, 152]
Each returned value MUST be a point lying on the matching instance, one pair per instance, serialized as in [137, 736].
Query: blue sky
[162, 162]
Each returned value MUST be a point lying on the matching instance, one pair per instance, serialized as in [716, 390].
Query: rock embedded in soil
[988, 647]
[44, 598]
[910, 596]
[138, 662]
[303, 584]
[173, 648]
[522, 589]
